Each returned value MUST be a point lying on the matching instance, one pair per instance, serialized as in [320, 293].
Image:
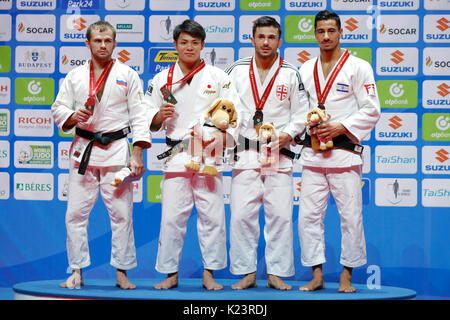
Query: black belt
[102, 138]
[340, 142]
[176, 145]
[246, 144]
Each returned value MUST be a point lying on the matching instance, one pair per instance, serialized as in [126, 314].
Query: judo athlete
[103, 101]
[178, 99]
[345, 87]
[271, 90]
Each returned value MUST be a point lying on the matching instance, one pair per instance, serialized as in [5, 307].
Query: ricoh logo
[401, 61]
[397, 127]
[33, 123]
[436, 94]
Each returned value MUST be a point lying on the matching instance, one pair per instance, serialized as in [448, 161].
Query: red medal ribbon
[259, 103]
[185, 79]
[321, 96]
[94, 86]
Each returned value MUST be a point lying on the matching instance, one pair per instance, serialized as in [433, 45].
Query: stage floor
[191, 289]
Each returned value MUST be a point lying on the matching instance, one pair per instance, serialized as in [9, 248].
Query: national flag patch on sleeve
[121, 83]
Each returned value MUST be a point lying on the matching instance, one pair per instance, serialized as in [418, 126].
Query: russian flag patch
[121, 83]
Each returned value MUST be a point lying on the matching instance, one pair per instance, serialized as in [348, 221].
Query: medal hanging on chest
[322, 95]
[258, 117]
[94, 86]
[166, 89]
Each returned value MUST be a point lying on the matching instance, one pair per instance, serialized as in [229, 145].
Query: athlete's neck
[188, 67]
[327, 56]
[101, 64]
[265, 63]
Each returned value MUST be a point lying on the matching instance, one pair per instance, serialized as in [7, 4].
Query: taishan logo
[395, 122]
[124, 56]
[442, 155]
[397, 57]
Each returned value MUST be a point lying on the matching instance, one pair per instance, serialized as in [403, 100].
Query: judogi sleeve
[137, 110]
[228, 91]
[64, 105]
[153, 100]
[299, 108]
[360, 123]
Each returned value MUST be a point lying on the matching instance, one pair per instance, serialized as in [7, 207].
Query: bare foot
[208, 281]
[276, 283]
[317, 282]
[345, 281]
[170, 282]
[249, 281]
[74, 281]
[122, 280]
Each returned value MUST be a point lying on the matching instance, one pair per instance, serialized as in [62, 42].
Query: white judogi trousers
[250, 190]
[345, 185]
[180, 190]
[82, 196]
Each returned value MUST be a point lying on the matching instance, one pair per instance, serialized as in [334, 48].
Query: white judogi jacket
[352, 100]
[193, 101]
[121, 106]
[286, 103]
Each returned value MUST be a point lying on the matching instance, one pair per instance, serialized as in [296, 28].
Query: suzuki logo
[123, 56]
[443, 89]
[442, 155]
[303, 56]
[442, 24]
[397, 57]
[395, 122]
[79, 24]
[352, 24]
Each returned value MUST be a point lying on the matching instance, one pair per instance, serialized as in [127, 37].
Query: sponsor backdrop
[406, 183]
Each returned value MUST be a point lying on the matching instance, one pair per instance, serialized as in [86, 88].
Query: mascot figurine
[220, 115]
[316, 117]
[266, 133]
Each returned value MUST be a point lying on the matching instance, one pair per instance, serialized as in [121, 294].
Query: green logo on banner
[362, 53]
[36, 91]
[260, 4]
[300, 29]
[3, 122]
[397, 93]
[5, 59]
[69, 134]
[154, 189]
[436, 126]
[36, 154]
